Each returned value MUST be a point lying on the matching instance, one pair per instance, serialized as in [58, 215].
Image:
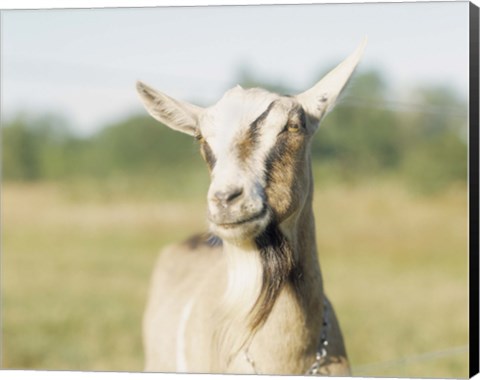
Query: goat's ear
[320, 99]
[178, 115]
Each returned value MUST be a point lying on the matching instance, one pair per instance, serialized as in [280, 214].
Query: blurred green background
[83, 218]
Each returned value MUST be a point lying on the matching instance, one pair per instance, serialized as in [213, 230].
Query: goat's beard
[278, 263]
[278, 266]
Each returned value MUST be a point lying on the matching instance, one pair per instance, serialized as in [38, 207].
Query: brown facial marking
[207, 154]
[297, 117]
[263, 116]
[285, 165]
[247, 144]
[249, 140]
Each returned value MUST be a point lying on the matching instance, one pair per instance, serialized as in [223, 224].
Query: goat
[248, 297]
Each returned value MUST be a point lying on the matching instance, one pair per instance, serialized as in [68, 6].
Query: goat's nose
[226, 198]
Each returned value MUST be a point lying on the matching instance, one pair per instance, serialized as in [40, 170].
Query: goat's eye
[198, 136]
[293, 127]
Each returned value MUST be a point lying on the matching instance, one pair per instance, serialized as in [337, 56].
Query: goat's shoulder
[197, 252]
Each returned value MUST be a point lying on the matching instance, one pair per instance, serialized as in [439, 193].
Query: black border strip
[474, 193]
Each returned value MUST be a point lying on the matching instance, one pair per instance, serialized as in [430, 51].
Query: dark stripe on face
[207, 154]
[284, 165]
[248, 142]
[280, 174]
[263, 116]
[297, 115]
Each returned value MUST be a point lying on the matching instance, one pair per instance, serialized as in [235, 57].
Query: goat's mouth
[241, 221]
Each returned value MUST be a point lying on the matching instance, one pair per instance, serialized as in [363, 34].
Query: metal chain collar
[320, 355]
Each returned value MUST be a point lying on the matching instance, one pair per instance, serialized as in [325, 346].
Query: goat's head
[256, 146]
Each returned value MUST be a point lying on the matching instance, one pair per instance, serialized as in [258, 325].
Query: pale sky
[84, 63]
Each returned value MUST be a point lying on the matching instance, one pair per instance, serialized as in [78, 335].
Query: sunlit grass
[76, 268]
[396, 268]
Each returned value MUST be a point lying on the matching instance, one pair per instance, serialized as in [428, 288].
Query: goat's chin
[239, 233]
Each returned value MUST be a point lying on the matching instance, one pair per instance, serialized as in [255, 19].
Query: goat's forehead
[238, 108]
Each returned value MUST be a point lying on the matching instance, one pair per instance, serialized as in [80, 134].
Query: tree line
[422, 142]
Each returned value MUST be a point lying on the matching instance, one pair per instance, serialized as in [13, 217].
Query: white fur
[181, 354]
[243, 288]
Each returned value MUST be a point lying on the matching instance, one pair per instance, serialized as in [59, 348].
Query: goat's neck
[297, 306]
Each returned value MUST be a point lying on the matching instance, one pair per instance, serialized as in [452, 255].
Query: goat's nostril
[229, 196]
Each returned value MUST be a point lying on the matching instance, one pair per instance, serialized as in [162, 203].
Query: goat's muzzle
[235, 213]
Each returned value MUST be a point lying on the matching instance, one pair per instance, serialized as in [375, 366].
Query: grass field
[75, 272]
